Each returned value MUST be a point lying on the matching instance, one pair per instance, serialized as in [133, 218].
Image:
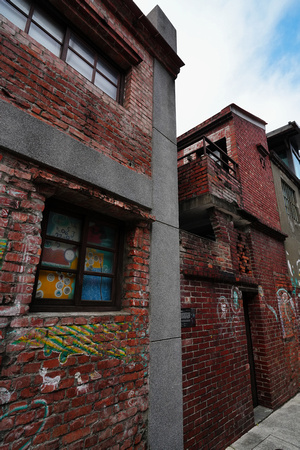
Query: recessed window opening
[200, 226]
[218, 152]
[290, 201]
[63, 42]
[80, 261]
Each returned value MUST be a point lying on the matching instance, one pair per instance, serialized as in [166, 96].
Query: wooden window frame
[65, 46]
[77, 304]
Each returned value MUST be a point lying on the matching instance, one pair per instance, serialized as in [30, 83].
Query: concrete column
[165, 415]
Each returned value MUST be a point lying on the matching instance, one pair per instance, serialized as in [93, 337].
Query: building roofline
[290, 130]
[246, 115]
[143, 29]
[98, 29]
[282, 166]
[226, 114]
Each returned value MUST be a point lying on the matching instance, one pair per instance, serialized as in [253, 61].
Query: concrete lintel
[32, 138]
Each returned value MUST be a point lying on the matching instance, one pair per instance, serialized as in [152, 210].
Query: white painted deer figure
[48, 381]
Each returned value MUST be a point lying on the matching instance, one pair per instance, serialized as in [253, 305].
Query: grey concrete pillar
[165, 414]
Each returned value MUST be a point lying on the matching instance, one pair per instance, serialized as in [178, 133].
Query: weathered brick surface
[50, 396]
[245, 265]
[36, 81]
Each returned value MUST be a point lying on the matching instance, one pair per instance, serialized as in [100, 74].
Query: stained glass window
[80, 256]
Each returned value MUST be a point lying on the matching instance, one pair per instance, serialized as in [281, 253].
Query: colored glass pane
[96, 288]
[55, 285]
[98, 261]
[64, 227]
[101, 235]
[60, 254]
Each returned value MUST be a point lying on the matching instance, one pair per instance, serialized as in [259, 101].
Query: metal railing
[217, 154]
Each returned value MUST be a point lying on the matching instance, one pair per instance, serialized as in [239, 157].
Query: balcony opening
[200, 225]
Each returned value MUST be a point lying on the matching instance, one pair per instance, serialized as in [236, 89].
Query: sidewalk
[279, 431]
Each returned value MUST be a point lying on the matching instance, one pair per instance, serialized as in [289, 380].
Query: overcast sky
[235, 51]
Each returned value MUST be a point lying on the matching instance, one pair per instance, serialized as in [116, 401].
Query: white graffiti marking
[48, 381]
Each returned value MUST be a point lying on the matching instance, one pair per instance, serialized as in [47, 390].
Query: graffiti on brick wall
[53, 382]
[3, 243]
[294, 273]
[41, 410]
[228, 311]
[263, 299]
[4, 396]
[91, 340]
[287, 313]
[83, 381]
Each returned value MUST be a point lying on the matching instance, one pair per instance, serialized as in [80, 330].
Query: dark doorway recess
[247, 298]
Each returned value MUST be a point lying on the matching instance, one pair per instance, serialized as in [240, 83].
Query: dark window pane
[50, 25]
[64, 227]
[101, 235]
[96, 288]
[44, 39]
[55, 285]
[106, 86]
[60, 254]
[98, 261]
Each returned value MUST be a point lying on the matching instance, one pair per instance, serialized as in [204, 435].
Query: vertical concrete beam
[165, 415]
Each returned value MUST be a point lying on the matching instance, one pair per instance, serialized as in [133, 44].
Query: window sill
[45, 314]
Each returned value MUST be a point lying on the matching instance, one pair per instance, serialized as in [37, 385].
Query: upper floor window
[296, 161]
[290, 201]
[80, 261]
[45, 28]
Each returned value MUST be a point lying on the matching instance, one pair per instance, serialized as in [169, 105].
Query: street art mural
[49, 381]
[41, 411]
[294, 273]
[95, 339]
[287, 313]
[263, 300]
[228, 311]
[3, 243]
[104, 340]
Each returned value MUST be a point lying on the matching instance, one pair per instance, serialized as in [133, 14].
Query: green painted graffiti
[38, 402]
[92, 340]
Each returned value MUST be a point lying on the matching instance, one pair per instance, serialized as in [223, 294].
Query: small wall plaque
[188, 317]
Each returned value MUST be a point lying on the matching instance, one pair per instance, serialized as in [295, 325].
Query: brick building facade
[284, 145]
[87, 129]
[90, 275]
[240, 348]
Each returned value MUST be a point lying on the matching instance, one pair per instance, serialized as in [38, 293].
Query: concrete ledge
[32, 138]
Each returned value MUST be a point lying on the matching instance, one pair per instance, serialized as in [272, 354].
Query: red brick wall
[274, 334]
[216, 380]
[203, 175]
[54, 393]
[38, 82]
[193, 178]
[257, 182]
[216, 372]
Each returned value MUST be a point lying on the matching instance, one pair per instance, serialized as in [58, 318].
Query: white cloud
[228, 47]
